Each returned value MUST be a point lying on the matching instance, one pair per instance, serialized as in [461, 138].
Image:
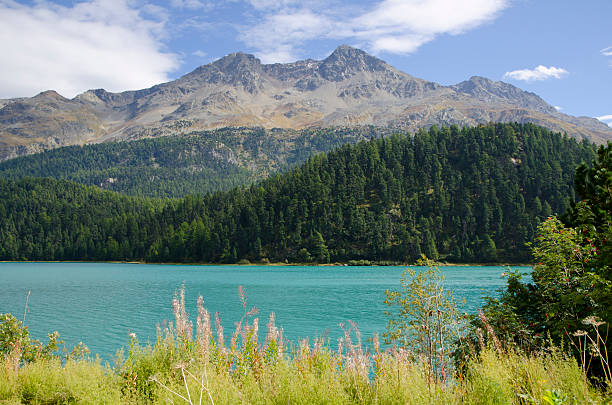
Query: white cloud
[199, 53]
[277, 36]
[538, 73]
[558, 108]
[191, 4]
[416, 22]
[607, 119]
[397, 26]
[93, 44]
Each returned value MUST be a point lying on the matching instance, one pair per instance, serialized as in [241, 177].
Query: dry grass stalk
[234, 340]
[272, 333]
[219, 329]
[182, 325]
[252, 335]
[355, 358]
[203, 329]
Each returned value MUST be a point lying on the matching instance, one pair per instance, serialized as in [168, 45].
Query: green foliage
[513, 378]
[564, 282]
[469, 195]
[569, 298]
[17, 346]
[554, 397]
[427, 320]
[592, 216]
[50, 382]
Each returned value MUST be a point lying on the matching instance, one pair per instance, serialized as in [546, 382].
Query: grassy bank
[255, 365]
[176, 374]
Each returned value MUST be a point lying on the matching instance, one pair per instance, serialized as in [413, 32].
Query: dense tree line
[463, 195]
[567, 300]
[196, 163]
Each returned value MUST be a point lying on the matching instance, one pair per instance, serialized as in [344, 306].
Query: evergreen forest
[195, 163]
[471, 195]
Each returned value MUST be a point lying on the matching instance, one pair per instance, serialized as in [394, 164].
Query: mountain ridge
[348, 88]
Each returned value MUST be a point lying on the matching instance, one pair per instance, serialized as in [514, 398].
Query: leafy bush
[16, 344]
[569, 300]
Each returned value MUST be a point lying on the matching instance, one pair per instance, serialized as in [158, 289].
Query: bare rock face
[45, 121]
[488, 91]
[348, 88]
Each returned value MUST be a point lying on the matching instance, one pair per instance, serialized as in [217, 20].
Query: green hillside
[469, 195]
[174, 166]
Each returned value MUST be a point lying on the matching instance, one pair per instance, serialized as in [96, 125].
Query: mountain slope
[472, 195]
[174, 166]
[348, 88]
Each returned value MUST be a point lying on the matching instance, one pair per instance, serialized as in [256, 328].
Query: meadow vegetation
[204, 366]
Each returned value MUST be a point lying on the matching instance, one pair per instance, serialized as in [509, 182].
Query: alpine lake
[101, 304]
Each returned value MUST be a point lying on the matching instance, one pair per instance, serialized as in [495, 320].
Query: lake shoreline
[336, 264]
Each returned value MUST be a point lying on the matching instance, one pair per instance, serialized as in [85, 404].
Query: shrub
[427, 320]
[16, 344]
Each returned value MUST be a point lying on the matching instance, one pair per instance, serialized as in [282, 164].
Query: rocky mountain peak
[236, 69]
[238, 61]
[347, 51]
[489, 91]
[475, 85]
[93, 96]
[49, 95]
[346, 61]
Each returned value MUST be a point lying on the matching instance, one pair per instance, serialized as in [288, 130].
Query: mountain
[349, 88]
[463, 195]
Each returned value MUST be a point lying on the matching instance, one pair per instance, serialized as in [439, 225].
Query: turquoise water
[101, 303]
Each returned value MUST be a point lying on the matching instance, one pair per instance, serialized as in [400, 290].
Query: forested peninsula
[460, 195]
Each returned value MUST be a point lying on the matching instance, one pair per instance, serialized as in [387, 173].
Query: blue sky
[560, 50]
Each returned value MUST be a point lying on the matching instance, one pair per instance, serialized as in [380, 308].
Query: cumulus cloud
[607, 119]
[397, 26]
[93, 44]
[540, 72]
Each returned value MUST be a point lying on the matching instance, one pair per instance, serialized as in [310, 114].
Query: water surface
[101, 303]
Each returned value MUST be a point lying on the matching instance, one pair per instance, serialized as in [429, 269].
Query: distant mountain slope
[470, 195]
[348, 88]
[196, 163]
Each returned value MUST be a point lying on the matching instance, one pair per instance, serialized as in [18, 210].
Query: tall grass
[201, 366]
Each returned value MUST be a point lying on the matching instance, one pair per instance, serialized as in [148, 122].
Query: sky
[558, 49]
